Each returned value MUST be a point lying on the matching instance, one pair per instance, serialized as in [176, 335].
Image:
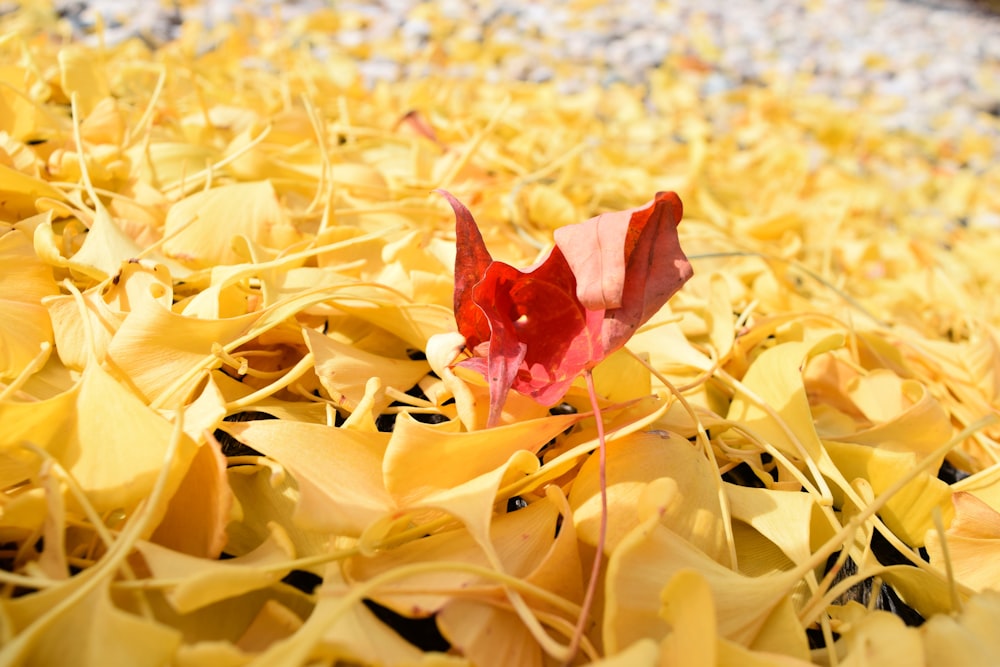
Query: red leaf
[471, 261]
[536, 330]
[628, 263]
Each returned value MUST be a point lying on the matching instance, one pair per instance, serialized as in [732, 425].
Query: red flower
[536, 330]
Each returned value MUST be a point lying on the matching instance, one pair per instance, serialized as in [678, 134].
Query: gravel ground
[939, 58]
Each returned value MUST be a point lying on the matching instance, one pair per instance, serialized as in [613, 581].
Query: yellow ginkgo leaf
[966, 638]
[882, 639]
[89, 633]
[904, 415]
[791, 520]
[17, 112]
[117, 445]
[264, 497]
[24, 282]
[645, 561]
[80, 74]
[200, 228]
[488, 636]
[691, 510]
[908, 513]
[339, 471]
[339, 628]
[20, 191]
[205, 581]
[526, 544]
[776, 377]
[459, 456]
[344, 370]
[104, 249]
[689, 610]
[82, 337]
[549, 208]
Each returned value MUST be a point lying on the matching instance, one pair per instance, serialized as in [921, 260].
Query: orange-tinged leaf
[24, 281]
[196, 517]
[971, 541]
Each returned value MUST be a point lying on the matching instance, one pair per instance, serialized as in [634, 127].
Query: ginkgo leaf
[527, 546]
[909, 512]
[692, 509]
[970, 541]
[792, 521]
[24, 282]
[882, 639]
[776, 376]
[262, 498]
[115, 445]
[462, 456]
[274, 621]
[904, 415]
[322, 458]
[966, 638]
[89, 633]
[199, 229]
[196, 517]
[20, 192]
[79, 73]
[487, 636]
[205, 581]
[651, 552]
[689, 610]
[347, 631]
[83, 336]
[104, 249]
[344, 370]
[596, 287]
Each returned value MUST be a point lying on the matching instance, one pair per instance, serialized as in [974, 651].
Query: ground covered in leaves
[226, 440]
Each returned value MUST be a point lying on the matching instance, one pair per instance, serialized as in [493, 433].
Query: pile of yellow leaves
[228, 239]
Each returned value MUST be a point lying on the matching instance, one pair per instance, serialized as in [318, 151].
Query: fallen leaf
[596, 287]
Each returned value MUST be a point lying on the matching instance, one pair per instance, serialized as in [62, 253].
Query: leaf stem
[595, 570]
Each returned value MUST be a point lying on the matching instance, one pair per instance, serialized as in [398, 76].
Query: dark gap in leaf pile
[816, 640]
[743, 475]
[386, 421]
[230, 445]
[421, 632]
[516, 503]
[949, 474]
[887, 600]
[303, 580]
